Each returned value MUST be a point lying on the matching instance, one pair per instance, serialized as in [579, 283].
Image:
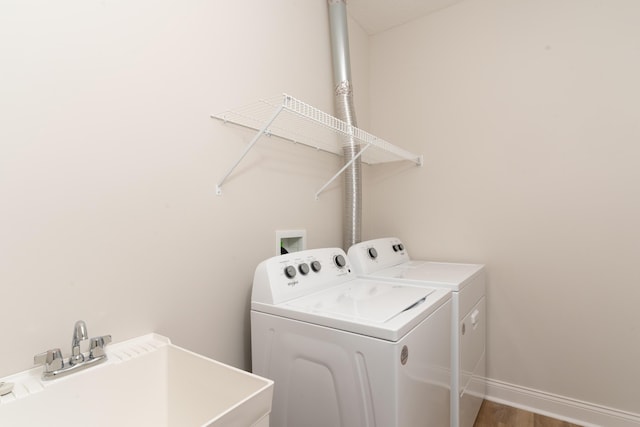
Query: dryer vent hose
[345, 111]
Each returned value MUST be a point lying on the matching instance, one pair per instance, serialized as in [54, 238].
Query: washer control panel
[293, 275]
[303, 268]
[373, 255]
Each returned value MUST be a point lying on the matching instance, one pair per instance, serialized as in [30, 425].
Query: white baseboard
[560, 407]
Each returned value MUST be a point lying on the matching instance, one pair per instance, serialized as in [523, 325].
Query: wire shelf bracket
[291, 119]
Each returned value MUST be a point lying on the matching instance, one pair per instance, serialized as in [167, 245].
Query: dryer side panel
[472, 363]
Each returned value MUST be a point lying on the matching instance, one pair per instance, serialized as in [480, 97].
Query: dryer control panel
[293, 275]
[373, 255]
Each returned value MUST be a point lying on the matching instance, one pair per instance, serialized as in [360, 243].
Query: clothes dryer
[387, 259]
[346, 351]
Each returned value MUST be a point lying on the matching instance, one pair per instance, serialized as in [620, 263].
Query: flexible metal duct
[345, 111]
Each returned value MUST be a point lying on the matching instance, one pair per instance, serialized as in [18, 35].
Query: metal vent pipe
[345, 111]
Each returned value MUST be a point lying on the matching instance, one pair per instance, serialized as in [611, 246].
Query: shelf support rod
[333, 178]
[255, 139]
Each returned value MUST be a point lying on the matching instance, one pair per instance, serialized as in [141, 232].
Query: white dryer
[345, 351]
[387, 259]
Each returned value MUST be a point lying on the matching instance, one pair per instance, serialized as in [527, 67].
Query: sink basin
[146, 381]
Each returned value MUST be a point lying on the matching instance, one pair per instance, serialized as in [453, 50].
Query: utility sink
[146, 381]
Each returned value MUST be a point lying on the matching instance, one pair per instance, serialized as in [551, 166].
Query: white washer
[345, 351]
[388, 259]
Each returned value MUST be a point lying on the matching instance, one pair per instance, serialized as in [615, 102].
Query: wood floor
[496, 415]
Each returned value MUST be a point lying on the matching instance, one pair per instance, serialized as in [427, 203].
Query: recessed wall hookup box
[288, 241]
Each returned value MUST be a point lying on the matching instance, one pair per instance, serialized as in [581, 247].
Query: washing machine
[387, 259]
[347, 351]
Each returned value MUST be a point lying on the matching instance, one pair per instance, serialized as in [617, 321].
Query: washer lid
[363, 301]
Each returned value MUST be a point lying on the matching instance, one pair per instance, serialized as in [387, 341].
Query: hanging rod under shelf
[293, 120]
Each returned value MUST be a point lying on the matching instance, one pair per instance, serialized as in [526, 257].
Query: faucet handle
[51, 359]
[96, 346]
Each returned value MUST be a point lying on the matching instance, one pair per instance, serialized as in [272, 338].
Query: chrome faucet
[79, 335]
[54, 364]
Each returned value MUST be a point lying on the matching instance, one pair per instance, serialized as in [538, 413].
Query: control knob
[290, 271]
[303, 268]
[373, 253]
[339, 261]
[315, 266]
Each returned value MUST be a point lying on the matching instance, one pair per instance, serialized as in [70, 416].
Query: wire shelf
[291, 119]
[301, 123]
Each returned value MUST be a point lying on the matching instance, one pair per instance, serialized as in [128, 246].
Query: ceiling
[375, 16]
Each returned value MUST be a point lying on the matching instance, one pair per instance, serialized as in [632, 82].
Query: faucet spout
[79, 334]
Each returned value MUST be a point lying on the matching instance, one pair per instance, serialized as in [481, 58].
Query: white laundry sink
[146, 381]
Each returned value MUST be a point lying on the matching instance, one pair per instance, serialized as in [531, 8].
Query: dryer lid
[453, 275]
[363, 301]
